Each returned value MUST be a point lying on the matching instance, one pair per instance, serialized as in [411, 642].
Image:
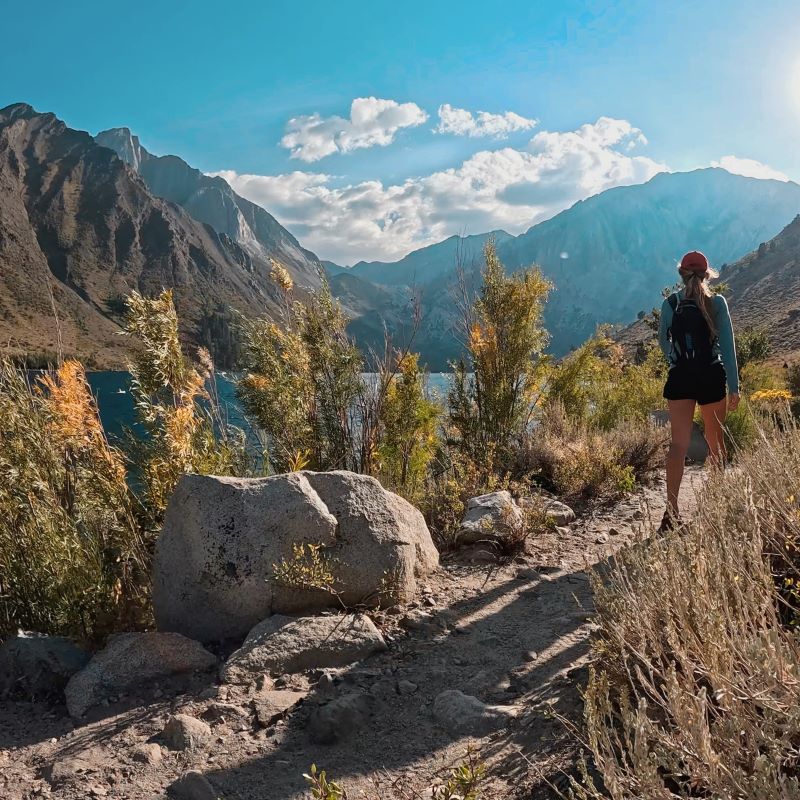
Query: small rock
[183, 732]
[562, 530]
[559, 512]
[489, 515]
[147, 753]
[335, 720]
[296, 644]
[463, 715]
[270, 706]
[527, 574]
[98, 791]
[35, 665]
[131, 660]
[193, 786]
[326, 682]
[602, 538]
[209, 693]
[220, 712]
[407, 687]
[530, 655]
[424, 621]
[613, 532]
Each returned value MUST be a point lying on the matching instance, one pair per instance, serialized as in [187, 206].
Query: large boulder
[285, 644]
[214, 566]
[130, 661]
[36, 665]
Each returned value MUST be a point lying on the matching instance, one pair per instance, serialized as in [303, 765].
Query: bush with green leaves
[496, 386]
[304, 385]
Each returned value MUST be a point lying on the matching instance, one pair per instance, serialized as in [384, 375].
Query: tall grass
[72, 558]
[696, 687]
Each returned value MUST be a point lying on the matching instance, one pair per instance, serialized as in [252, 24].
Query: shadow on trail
[484, 645]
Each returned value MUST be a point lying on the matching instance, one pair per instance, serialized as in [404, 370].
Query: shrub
[570, 457]
[408, 430]
[72, 560]
[305, 388]
[752, 345]
[597, 385]
[694, 690]
[495, 388]
[185, 432]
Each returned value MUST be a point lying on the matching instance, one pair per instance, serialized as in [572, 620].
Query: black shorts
[704, 384]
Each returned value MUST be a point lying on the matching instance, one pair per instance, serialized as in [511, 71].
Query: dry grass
[575, 459]
[72, 559]
[696, 687]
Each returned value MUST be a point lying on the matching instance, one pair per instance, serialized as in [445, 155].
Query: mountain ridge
[80, 229]
[609, 255]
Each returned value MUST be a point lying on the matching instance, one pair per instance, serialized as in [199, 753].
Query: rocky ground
[477, 664]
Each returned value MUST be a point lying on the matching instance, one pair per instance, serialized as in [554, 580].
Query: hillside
[763, 292]
[764, 289]
[608, 256]
[79, 229]
[212, 201]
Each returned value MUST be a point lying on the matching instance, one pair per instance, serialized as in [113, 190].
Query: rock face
[131, 660]
[464, 715]
[488, 515]
[214, 566]
[284, 644]
[35, 665]
[77, 221]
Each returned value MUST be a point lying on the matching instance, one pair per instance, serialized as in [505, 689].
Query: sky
[372, 128]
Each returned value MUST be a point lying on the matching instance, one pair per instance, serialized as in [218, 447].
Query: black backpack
[691, 337]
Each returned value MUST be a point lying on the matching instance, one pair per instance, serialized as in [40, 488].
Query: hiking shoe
[669, 522]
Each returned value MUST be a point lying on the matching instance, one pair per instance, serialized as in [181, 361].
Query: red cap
[694, 261]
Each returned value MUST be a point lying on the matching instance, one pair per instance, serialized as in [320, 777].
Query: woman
[696, 337]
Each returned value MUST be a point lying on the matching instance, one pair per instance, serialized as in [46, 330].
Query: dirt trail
[512, 634]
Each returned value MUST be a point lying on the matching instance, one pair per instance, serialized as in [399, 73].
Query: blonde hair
[696, 288]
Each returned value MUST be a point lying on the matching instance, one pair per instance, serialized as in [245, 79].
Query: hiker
[696, 337]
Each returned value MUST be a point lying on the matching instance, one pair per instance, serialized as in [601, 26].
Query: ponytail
[696, 288]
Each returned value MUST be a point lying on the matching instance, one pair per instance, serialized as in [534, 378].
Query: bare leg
[681, 415]
[713, 420]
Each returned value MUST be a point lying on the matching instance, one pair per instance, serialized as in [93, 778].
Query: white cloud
[373, 122]
[461, 122]
[749, 167]
[506, 188]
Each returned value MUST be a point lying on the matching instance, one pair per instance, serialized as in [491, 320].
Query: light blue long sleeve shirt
[724, 345]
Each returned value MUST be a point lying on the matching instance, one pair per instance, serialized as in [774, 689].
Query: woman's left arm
[727, 343]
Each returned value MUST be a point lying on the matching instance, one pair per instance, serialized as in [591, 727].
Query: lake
[115, 402]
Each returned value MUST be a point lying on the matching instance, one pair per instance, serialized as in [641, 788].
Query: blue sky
[602, 93]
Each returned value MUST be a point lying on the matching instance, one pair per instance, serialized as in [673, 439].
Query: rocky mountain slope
[764, 289]
[212, 201]
[608, 256]
[79, 229]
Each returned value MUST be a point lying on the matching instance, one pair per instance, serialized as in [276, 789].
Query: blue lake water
[115, 402]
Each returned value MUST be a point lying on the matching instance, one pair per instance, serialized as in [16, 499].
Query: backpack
[691, 337]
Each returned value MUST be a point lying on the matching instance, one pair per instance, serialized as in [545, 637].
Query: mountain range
[80, 227]
[84, 220]
[608, 256]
